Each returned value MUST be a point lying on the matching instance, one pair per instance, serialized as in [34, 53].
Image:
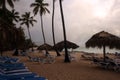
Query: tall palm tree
[28, 20]
[41, 7]
[64, 32]
[54, 42]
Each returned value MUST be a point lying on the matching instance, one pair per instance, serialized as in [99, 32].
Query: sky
[83, 18]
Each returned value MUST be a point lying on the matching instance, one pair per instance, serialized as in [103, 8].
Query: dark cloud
[80, 19]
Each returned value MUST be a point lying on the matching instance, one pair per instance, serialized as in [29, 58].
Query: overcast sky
[83, 18]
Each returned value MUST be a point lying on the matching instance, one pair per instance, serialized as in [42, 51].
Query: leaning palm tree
[64, 32]
[28, 20]
[54, 42]
[40, 6]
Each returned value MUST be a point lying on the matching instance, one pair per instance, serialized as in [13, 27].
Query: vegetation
[11, 37]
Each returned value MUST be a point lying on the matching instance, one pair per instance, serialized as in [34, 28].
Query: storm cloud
[83, 18]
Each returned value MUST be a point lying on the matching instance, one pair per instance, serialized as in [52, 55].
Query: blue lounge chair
[8, 59]
[14, 71]
[36, 78]
[18, 76]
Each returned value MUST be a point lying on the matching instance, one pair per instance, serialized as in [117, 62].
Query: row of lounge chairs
[109, 63]
[113, 64]
[47, 59]
[16, 70]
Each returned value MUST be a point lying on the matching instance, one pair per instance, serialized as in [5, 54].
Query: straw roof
[45, 46]
[103, 39]
[60, 45]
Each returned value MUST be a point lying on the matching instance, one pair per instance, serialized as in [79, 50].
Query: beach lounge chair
[87, 57]
[48, 59]
[9, 68]
[18, 76]
[117, 64]
[34, 59]
[35, 78]
[72, 57]
[21, 76]
[14, 71]
[6, 59]
[11, 65]
[100, 63]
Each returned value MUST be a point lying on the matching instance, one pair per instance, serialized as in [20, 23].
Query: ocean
[96, 50]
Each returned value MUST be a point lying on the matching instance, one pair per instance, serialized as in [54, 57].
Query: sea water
[97, 50]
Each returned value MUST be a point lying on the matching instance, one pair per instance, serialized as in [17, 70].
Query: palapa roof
[45, 46]
[103, 39]
[60, 45]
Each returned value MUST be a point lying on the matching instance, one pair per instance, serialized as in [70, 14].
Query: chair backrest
[117, 61]
[95, 60]
[112, 63]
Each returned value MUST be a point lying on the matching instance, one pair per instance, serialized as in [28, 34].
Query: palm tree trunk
[64, 33]
[4, 6]
[58, 54]
[104, 56]
[1, 52]
[42, 29]
[4, 9]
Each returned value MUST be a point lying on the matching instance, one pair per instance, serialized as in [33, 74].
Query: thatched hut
[103, 39]
[45, 47]
[60, 45]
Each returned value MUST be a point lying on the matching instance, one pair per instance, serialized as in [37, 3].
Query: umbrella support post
[104, 56]
[67, 60]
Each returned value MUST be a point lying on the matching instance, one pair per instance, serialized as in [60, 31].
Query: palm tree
[64, 32]
[10, 3]
[15, 15]
[27, 20]
[3, 4]
[40, 6]
[5, 27]
[5, 13]
[54, 42]
[6, 22]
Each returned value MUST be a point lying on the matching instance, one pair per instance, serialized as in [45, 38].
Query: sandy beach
[78, 69]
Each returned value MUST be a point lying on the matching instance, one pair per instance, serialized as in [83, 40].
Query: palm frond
[35, 10]
[10, 2]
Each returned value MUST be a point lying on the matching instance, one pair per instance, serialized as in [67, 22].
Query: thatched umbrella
[60, 45]
[103, 39]
[45, 46]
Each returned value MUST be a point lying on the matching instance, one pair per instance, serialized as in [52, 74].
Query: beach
[78, 69]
